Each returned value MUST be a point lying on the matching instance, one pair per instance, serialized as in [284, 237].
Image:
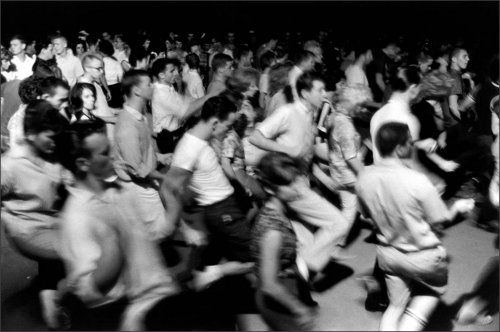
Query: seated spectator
[113, 74]
[45, 64]
[283, 296]
[191, 77]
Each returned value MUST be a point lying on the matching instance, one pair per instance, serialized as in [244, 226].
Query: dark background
[476, 22]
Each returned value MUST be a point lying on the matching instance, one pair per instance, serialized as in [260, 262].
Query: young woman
[282, 297]
[113, 74]
[80, 48]
[82, 101]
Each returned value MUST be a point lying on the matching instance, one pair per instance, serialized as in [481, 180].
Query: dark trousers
[167, 140]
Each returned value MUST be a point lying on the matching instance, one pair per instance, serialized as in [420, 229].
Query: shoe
[376, 300]
[53, 314]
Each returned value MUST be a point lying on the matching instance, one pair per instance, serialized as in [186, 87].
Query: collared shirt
[169, 108]
[209, 181]
[292, 126]
[343, 144]
[23, 69]
[403, 203]
[134, 152]
[194, 85]
[29, 192]
[71, 67]
[394, 111]
[89, 220]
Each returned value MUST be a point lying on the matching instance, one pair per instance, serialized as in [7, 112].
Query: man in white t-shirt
[195, 164]
[70, 65]
[291, 130]
[23, 62]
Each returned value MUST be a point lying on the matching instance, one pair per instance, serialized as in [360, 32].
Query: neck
[454, 66]
[64, 53]
[393, 158]
[92, 184]
[202, 131]
[401, 96]
[88, 77]
[219, 77]
[163, 82]
[21, 56]
[307, 104]
[43, 57]
[136, 103]
[360, 62]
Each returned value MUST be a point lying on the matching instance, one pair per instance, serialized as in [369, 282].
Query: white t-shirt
[194, 85]
[71, 67]
[23, 69]
[209, 181]
[120, 56]
[356, 75]
[114, 71]
[393, 111]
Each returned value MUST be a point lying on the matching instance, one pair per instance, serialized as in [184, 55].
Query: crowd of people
[262, 157]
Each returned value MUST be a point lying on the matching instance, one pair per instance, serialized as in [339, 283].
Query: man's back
[402, 203]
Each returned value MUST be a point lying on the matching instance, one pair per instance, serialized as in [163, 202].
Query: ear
[214, 122]
[30, 136]
[23, 46]
[45, 96]
[82, 164]
[136, 91]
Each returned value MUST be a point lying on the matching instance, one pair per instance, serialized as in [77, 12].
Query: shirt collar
[137, 115]
[390, 162]
[301, 107]
[86, 195]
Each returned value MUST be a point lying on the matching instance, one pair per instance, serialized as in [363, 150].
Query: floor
[341, 303]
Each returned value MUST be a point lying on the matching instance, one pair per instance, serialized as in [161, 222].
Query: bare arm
[466, 103]
[228, 169]
[453, 101]
[355, 165]
[380, 81]
[172, 191]
[265, 143]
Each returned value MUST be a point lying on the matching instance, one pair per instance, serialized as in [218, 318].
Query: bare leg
[418, 312]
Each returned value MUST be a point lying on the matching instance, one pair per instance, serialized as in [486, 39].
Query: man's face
[59, 45]
[100, 162]
[60, 98]
[230, 37]
[368, 57]
[178, 45]
[405, 151]
[95, 68]
[317, 94]
[118, 43]
[49, 51]
[170, 73]
[393, 51]
[228, 69]
[309, 64]
[461, 59]
[206, 47]
[146, 43]
[272, 44]
[17, 47]
[247, 60]
[221, 128]
[45, 142]
[318, 54]
[190, 36]
[146, 88]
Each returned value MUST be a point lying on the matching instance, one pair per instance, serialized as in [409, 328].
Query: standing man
[222, 66]
[45, 64]
[407, 212]
[291, 130]
[243, 56]
[382, 65]
[459, 60]
[23, 62]
[70, 65]
[135, 158]
[304, 61]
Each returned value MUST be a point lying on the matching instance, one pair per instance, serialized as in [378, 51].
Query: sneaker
[53, 314]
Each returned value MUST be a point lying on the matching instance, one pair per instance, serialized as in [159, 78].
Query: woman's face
[146, 44]
[80, 49]
[5, 64]
[252, 89]
[169, 45]
[88, 99]
[119, 43]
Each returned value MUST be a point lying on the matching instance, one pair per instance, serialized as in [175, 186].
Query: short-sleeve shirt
[114, 71]
[403, 203]
[272, 220]
[457, 86]
[208, 181]
[232, 148]
[343, 144]
[71, 67]
[356, 75]
[292, 126]
[24, 69]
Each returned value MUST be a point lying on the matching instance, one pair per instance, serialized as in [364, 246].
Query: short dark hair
[49, 85]
[218, 107]
[220, 60]
[91, 40]
[21, 38]
[410, 75]
[193, 61]
[306, 81]
[42, 45]
[279, 77]
[278, 169]
[390, 135]
[456, 51]
[75, 99]
[241, 79]
[29, 89]
[302, 56]
[106, 47]
[58, 36]
[267, 59]
[361, 49]
[131, 79]
[73, 141]
[160, 65]
[41, 116]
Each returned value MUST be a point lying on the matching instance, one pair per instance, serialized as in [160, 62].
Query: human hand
[464, 205]
[305, 319]
[165, 159]
[442, 140]
[449, 166]
[236, 268]
[108, 95]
